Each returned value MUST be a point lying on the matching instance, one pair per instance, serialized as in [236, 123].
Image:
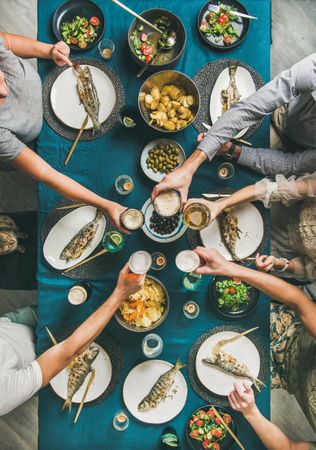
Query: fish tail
[67, 404]
[179, 365]
[257, 383]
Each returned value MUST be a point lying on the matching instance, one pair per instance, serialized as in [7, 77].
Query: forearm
[59, 356]
[279, 290]
[270, 435]
[194, 161]
[247, 194]
[273, 162]
[26, 47]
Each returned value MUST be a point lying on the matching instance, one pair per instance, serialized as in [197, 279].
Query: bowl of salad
[80, 23]
[144, 42]
[219, 27]
[205, 431]
[231, 297]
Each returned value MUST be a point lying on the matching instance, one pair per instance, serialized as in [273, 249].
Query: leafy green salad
[80, 31]
[232, 294]
[220, 25]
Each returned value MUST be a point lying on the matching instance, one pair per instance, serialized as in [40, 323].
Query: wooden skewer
[83, 126]
[233, 435]
[239, 335]
[74, 205]
[85, 395]
[86, 260]
[137, 15]
[50, 334]
[241, 141]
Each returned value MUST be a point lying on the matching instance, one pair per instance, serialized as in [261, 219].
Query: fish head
[143, 406]
[91, 354]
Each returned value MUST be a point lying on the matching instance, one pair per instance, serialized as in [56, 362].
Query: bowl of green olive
[161, 157]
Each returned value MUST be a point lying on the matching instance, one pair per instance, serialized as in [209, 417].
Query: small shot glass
[106, 48]
[113, 241]
[124, 184]
[191, 309]
[152, 345]
[121, 420]
[159, 261]
[226, 171]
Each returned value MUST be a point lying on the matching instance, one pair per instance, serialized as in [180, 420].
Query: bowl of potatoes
[169, 101]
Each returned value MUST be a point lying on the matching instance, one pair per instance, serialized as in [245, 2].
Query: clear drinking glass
[121, 420]
[226, 171]
[191, 309]
[140, 262]
[192, 281]
[152, 345]
[106, 48]
[124, 184]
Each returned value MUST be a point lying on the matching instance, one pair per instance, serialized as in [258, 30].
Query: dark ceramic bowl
[245, 309]
[165, 59]
[68, 12]
[241, 25]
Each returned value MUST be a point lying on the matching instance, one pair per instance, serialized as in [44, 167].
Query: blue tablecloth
[96, 165]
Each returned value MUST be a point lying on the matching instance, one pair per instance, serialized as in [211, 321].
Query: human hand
[243, 400]
[213, 262]
[60, 53]
[179, 180]
[224, 149]
[214, 207]
[265, 263]
[115, 210]
[128, 283]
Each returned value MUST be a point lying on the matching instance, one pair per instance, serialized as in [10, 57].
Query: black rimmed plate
[253, 296]
[82, 8]
[227, 443]
[241, 25]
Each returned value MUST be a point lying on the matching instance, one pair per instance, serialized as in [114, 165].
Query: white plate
[138, 384]
[103, 374]
[64, 230]
[158, 176]
[245, 85]
[147, 210]
[218, 381]
[65, 100]
[252, 229]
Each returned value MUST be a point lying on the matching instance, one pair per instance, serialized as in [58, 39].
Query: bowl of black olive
[160, 228]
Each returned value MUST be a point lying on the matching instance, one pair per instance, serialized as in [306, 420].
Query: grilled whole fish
[230, 95]
[88, 95]
[228, 225]
[81, 240]
[79, 369]
[230, 364]
[160, 389]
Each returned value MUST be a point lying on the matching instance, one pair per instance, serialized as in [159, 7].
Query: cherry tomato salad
[220, 25]
[205, 427]
[81, 31]
[232, 294]
[145, 46]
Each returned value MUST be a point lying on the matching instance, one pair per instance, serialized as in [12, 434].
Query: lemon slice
[116, 238]
[129, 122]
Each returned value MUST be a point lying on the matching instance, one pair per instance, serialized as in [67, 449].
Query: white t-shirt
[20, 373]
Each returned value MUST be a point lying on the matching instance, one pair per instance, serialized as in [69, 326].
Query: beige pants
[277, 120]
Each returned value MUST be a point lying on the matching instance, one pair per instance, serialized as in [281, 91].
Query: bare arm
[58, 357]
[294, 298]
[34, 166]
[270, 435]
[25, 47]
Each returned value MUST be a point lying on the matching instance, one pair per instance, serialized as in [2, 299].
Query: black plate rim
[176, 58]
[224, 312]
[246, 26]
[56, 30]
[235, 429]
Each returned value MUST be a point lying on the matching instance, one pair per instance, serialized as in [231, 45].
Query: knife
[214, 196]
[215, 8]
[241, 141]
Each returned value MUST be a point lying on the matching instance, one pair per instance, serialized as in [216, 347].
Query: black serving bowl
[166, 58]
[225, 444]
[68, 12]
[242, 25]
[245, 309]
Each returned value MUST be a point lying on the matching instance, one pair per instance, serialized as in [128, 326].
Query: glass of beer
[196, 216]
